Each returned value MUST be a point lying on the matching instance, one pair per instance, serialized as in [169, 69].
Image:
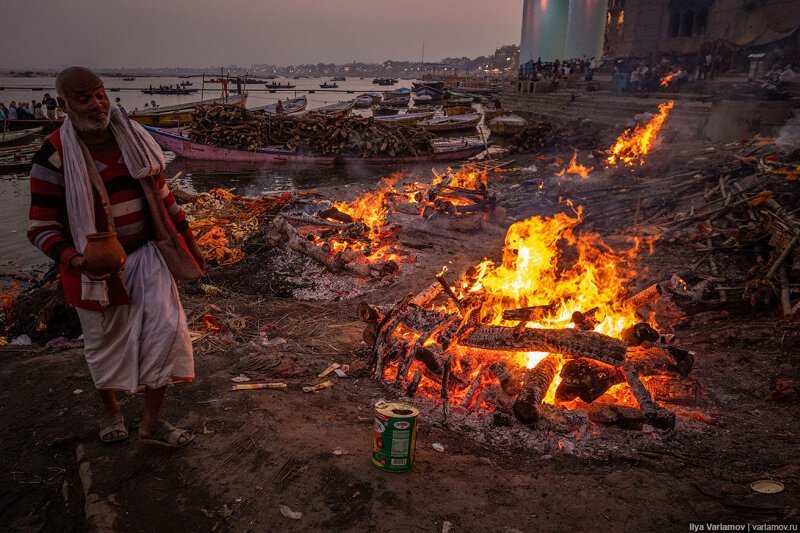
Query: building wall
[585, 27]
[684, 26]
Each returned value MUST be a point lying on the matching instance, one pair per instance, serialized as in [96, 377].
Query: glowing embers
[632, 146]
[498, 339]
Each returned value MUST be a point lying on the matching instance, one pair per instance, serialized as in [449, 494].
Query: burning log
[568, 342]
[411, 390]
[428, 295]
[585, 321]
[433, 357]
[390, 321]
[497, 396]
[474, 386]
[537, 382]
[586, 379]
[510, 376]
[334, 214]
[528, 314]
[655, 415]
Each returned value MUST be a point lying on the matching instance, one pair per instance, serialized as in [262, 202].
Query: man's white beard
[87, 124]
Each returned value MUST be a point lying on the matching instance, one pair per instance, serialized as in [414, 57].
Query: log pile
[472, 363]
[311, 134]
[535, 136]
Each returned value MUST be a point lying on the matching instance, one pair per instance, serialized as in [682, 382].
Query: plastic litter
[288, 513]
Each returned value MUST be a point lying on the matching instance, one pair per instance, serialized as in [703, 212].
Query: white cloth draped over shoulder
[142, 156]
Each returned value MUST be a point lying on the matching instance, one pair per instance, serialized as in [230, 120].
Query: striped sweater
[48, 226]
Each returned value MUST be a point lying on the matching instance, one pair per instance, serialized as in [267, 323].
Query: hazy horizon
[201, 33]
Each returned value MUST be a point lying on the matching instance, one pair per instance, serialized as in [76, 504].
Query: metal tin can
[395, 436]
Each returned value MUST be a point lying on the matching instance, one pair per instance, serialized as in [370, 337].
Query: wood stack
[457, 351]
[535, 136]
[310, 134]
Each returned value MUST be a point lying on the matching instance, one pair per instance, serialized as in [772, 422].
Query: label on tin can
[395, 437]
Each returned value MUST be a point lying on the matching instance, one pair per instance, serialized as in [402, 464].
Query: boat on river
[178, 143]
[295, 105]
[451, 123]
[339, 109]
[180, 114]
[404, 118]
[8, 138]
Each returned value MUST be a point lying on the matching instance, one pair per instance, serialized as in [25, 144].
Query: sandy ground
[257, 450]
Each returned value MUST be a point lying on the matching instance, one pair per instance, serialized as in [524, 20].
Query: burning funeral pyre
[552, 323]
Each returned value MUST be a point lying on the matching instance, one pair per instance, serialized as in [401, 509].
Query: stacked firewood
[535, 136]
[473, 360]
[310, 134]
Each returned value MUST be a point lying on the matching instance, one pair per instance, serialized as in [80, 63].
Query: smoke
[789, 136]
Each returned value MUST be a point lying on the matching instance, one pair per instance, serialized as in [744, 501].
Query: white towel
[142, 156]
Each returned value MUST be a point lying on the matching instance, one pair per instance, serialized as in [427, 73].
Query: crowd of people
[47, 109]
[558, 70]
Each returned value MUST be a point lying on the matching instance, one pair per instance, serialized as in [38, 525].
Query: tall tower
[585, 28]
[544, 28]
[562, 29]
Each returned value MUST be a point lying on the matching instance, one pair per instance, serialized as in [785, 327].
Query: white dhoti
[145, 343]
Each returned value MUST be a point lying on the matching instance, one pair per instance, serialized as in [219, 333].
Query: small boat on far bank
[328, 85]
[277, 85]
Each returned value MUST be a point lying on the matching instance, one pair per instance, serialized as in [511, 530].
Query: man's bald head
[83, 98]
[73, 79]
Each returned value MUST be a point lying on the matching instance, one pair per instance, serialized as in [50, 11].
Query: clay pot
[103, 253]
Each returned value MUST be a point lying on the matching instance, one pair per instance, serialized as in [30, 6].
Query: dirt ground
[257, 450]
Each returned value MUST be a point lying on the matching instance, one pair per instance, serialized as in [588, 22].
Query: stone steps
[689, 115]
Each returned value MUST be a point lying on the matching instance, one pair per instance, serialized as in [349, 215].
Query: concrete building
[648, 28]
[562, 29]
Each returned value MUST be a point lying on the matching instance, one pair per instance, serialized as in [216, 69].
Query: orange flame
[371, 207]
[666, 80]
[575, 168]
[632, 146]
[467, 177]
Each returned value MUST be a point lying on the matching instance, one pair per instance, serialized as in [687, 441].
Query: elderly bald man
[101, 172]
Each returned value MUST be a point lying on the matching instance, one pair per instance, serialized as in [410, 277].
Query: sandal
[115, 424]
[168, 435]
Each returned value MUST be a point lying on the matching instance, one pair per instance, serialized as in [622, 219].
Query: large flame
[575, 168]
[545, 263]
[632, 146]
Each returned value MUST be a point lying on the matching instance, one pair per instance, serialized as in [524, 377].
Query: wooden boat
[294, 105]
[18, 137]
[397, 93]
[384, 81]
[179, 114]
[47, 125]
[363, 101]
[338, 78]
[507, 125]
[422, 109]
[435, 94]
[327, 85]
[276, 85]
[423, 99]
[459, 101]
[186, 84]
[17, 158]
[339, 109]
[376, 97]
[183, 147]
[405, 118]
[397, 102]
[453, 123]
[128, 78]
[452, 111]
[383, 111]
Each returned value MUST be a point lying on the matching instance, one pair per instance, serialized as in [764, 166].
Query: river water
[16, 253]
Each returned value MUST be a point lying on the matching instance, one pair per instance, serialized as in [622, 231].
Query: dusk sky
[194, 33]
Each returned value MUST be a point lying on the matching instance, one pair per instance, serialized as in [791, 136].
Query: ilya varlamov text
[742, 527]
